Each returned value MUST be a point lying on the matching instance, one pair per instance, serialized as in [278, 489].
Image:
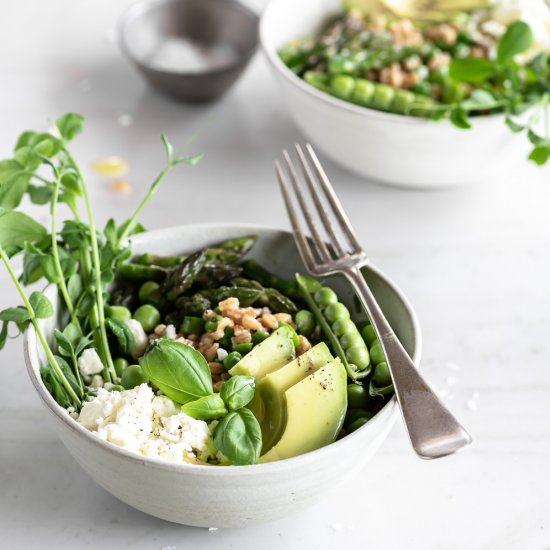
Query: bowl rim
[388, 411]
[142, 7]
[275, 61]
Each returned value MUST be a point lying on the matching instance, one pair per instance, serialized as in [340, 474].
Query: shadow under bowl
[191, 50]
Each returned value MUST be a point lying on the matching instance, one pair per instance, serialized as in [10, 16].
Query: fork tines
[332, 238]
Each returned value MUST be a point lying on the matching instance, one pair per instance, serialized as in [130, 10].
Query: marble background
[474, 262]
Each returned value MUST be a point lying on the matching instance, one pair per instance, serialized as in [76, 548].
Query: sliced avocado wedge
[271, 354]
[271, 391]
[316, 407]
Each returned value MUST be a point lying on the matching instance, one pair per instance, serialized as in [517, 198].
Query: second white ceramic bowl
[394, 149]
[229, 496]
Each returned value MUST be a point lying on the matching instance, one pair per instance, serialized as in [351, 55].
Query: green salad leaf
[517, 39]
[16, 228]
[238, 391]
[205, 408]
[178, 370]
[238, 437]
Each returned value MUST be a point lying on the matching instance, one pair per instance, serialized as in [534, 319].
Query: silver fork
[434, 432]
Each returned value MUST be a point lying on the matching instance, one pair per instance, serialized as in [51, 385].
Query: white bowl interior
[191, 494]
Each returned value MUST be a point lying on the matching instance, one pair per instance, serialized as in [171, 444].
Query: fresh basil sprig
[238, 391]
[239, 438]
[178, 370]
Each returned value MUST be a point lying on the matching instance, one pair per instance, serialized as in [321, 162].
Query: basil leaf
[16, 228]
[70, 125]
[123, 334]
[238, 391]
[42, 306]
[239, 438]
[205, 408]
[178, 370]
[517, 39]
[471, 69]
[15, 314]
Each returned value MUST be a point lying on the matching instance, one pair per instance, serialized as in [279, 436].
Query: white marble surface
[474, 262]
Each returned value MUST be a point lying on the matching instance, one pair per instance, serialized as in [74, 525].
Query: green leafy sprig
[78, 258]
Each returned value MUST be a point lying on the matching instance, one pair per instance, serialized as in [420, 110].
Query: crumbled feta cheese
[89, 362]
[97, 381]
[170, 332]
[146, 424]
[140, 337]
[221, 354]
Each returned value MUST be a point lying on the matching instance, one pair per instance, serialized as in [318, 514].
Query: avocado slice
[271, 391]
[316, 407]
[271, 354]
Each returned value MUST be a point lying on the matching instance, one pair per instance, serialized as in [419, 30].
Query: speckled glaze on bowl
[233, 496]
[393, 149]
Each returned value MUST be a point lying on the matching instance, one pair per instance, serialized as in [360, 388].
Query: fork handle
[434, 432]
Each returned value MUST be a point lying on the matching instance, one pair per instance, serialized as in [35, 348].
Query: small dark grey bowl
[192, 50]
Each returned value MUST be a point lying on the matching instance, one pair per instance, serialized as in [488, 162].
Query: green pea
[369, 335]
[295, 338]
[259, 336]
[351, 338]
[355, 414]
[359, 356]
[243, 349]
[357, 424]
[212, 324]
[133, 376]
[336, 311]
[358, 396]
[120, 365]
[231, 360]
[403, 100]
[342, 86]
[383, 97]
[325, 296]
[343, 326]
[382, 376]
[117, 387]
[225, 340]
[145, 291]
[363, 92]
[316, 79]
[192, 325]
[305, 322]
[119, 313]
[148, 316]
[377, 354]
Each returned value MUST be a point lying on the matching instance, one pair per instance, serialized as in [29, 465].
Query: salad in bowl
[370, 81]
[192, 367]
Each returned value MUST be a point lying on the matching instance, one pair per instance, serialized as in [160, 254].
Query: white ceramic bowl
[394, 149]
[232, 496]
